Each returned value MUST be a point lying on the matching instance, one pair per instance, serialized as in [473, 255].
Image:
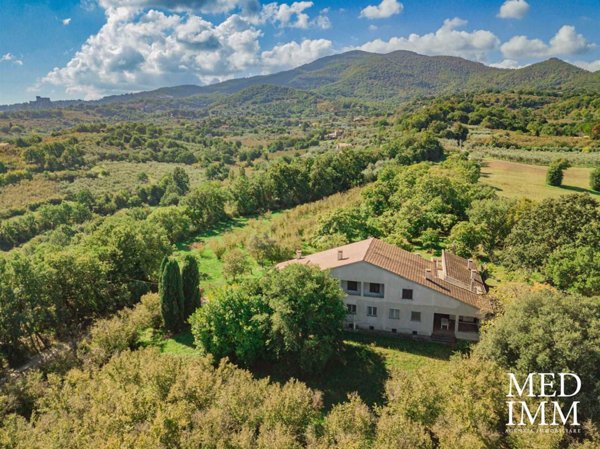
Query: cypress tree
[171, 296]
[191, 286]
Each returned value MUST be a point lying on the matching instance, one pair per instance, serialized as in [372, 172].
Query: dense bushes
[20, 229]
[410, 205]
[110, 336]
[185, 402]
[548, 332]
[57, 288]
[558, 237]
[293, 316]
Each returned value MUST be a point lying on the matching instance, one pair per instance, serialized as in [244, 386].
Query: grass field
[515, 180]
[364, 365]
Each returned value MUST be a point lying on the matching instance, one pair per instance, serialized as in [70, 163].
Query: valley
[145, 234]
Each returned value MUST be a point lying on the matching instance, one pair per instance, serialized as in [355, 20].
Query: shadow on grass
[357, 369]
[361, 367]
[579, 190]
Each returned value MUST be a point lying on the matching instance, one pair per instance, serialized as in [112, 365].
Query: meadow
[517, 180]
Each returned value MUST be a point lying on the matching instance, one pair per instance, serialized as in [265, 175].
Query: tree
[173, 220]
[548, 332]
[206, 205]
[308, 314]
[554, 176]
[575, 268]
[459, 133]
[190, 276]
[234, 323]
[465, 237]
[595, 179]
[494, 219]
[235, 264]
[171, 296]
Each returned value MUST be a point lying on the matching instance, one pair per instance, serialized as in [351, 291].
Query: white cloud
[447, 40]
[293, 54]
[513, 9]
[287, 16]
[373, 27]
[592, 66]
[66, 21]
[140, 49]
[153, 49]
[9, 57]
[506, 64]
[565, 42]
[387, 8]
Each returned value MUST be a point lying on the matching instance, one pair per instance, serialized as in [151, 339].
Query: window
[374, 289]
[407, 293]
[415, 316]
[371, 311]
[351, 287]
[394, 314]
[351, 309]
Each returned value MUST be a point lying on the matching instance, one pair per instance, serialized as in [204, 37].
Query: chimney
[340, 254]
[472, 279]
[470, 265]
[298, 254]
[428, 274]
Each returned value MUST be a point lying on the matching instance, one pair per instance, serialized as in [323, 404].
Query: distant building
[41, 102]
[390, 289]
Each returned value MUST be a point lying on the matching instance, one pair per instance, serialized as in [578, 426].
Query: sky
[87, 49]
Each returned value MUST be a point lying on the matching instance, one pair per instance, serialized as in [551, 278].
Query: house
[390, 289]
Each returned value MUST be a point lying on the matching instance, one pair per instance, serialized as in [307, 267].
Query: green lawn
[516, 180]
[364, 365]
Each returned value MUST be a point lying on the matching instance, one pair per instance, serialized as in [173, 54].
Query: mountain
[402, 75]
[391, 77]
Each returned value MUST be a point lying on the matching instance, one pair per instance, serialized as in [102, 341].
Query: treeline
[540, 114]
[55, 289]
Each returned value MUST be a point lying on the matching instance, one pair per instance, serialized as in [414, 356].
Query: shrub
[119, 333]
[595, 179]
[554, 176]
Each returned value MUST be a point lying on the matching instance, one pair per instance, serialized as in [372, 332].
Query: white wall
[424, 300]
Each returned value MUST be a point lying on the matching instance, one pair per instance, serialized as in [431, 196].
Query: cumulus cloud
[565, 42]
[135, 52]
[447, 40]
[9, 57]
[387, 8]
[513, 9]
[140, 49]
[591, 66]
[66, 21]
[293, 54]
[287, 16]
[507, 64]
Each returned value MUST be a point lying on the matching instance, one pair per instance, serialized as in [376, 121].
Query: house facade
[390, 289]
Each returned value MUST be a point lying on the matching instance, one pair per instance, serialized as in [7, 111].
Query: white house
[390, 289]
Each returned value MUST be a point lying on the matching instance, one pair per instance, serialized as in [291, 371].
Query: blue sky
[91, 48]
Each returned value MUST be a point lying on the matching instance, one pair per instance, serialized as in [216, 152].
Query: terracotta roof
[446, 276]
